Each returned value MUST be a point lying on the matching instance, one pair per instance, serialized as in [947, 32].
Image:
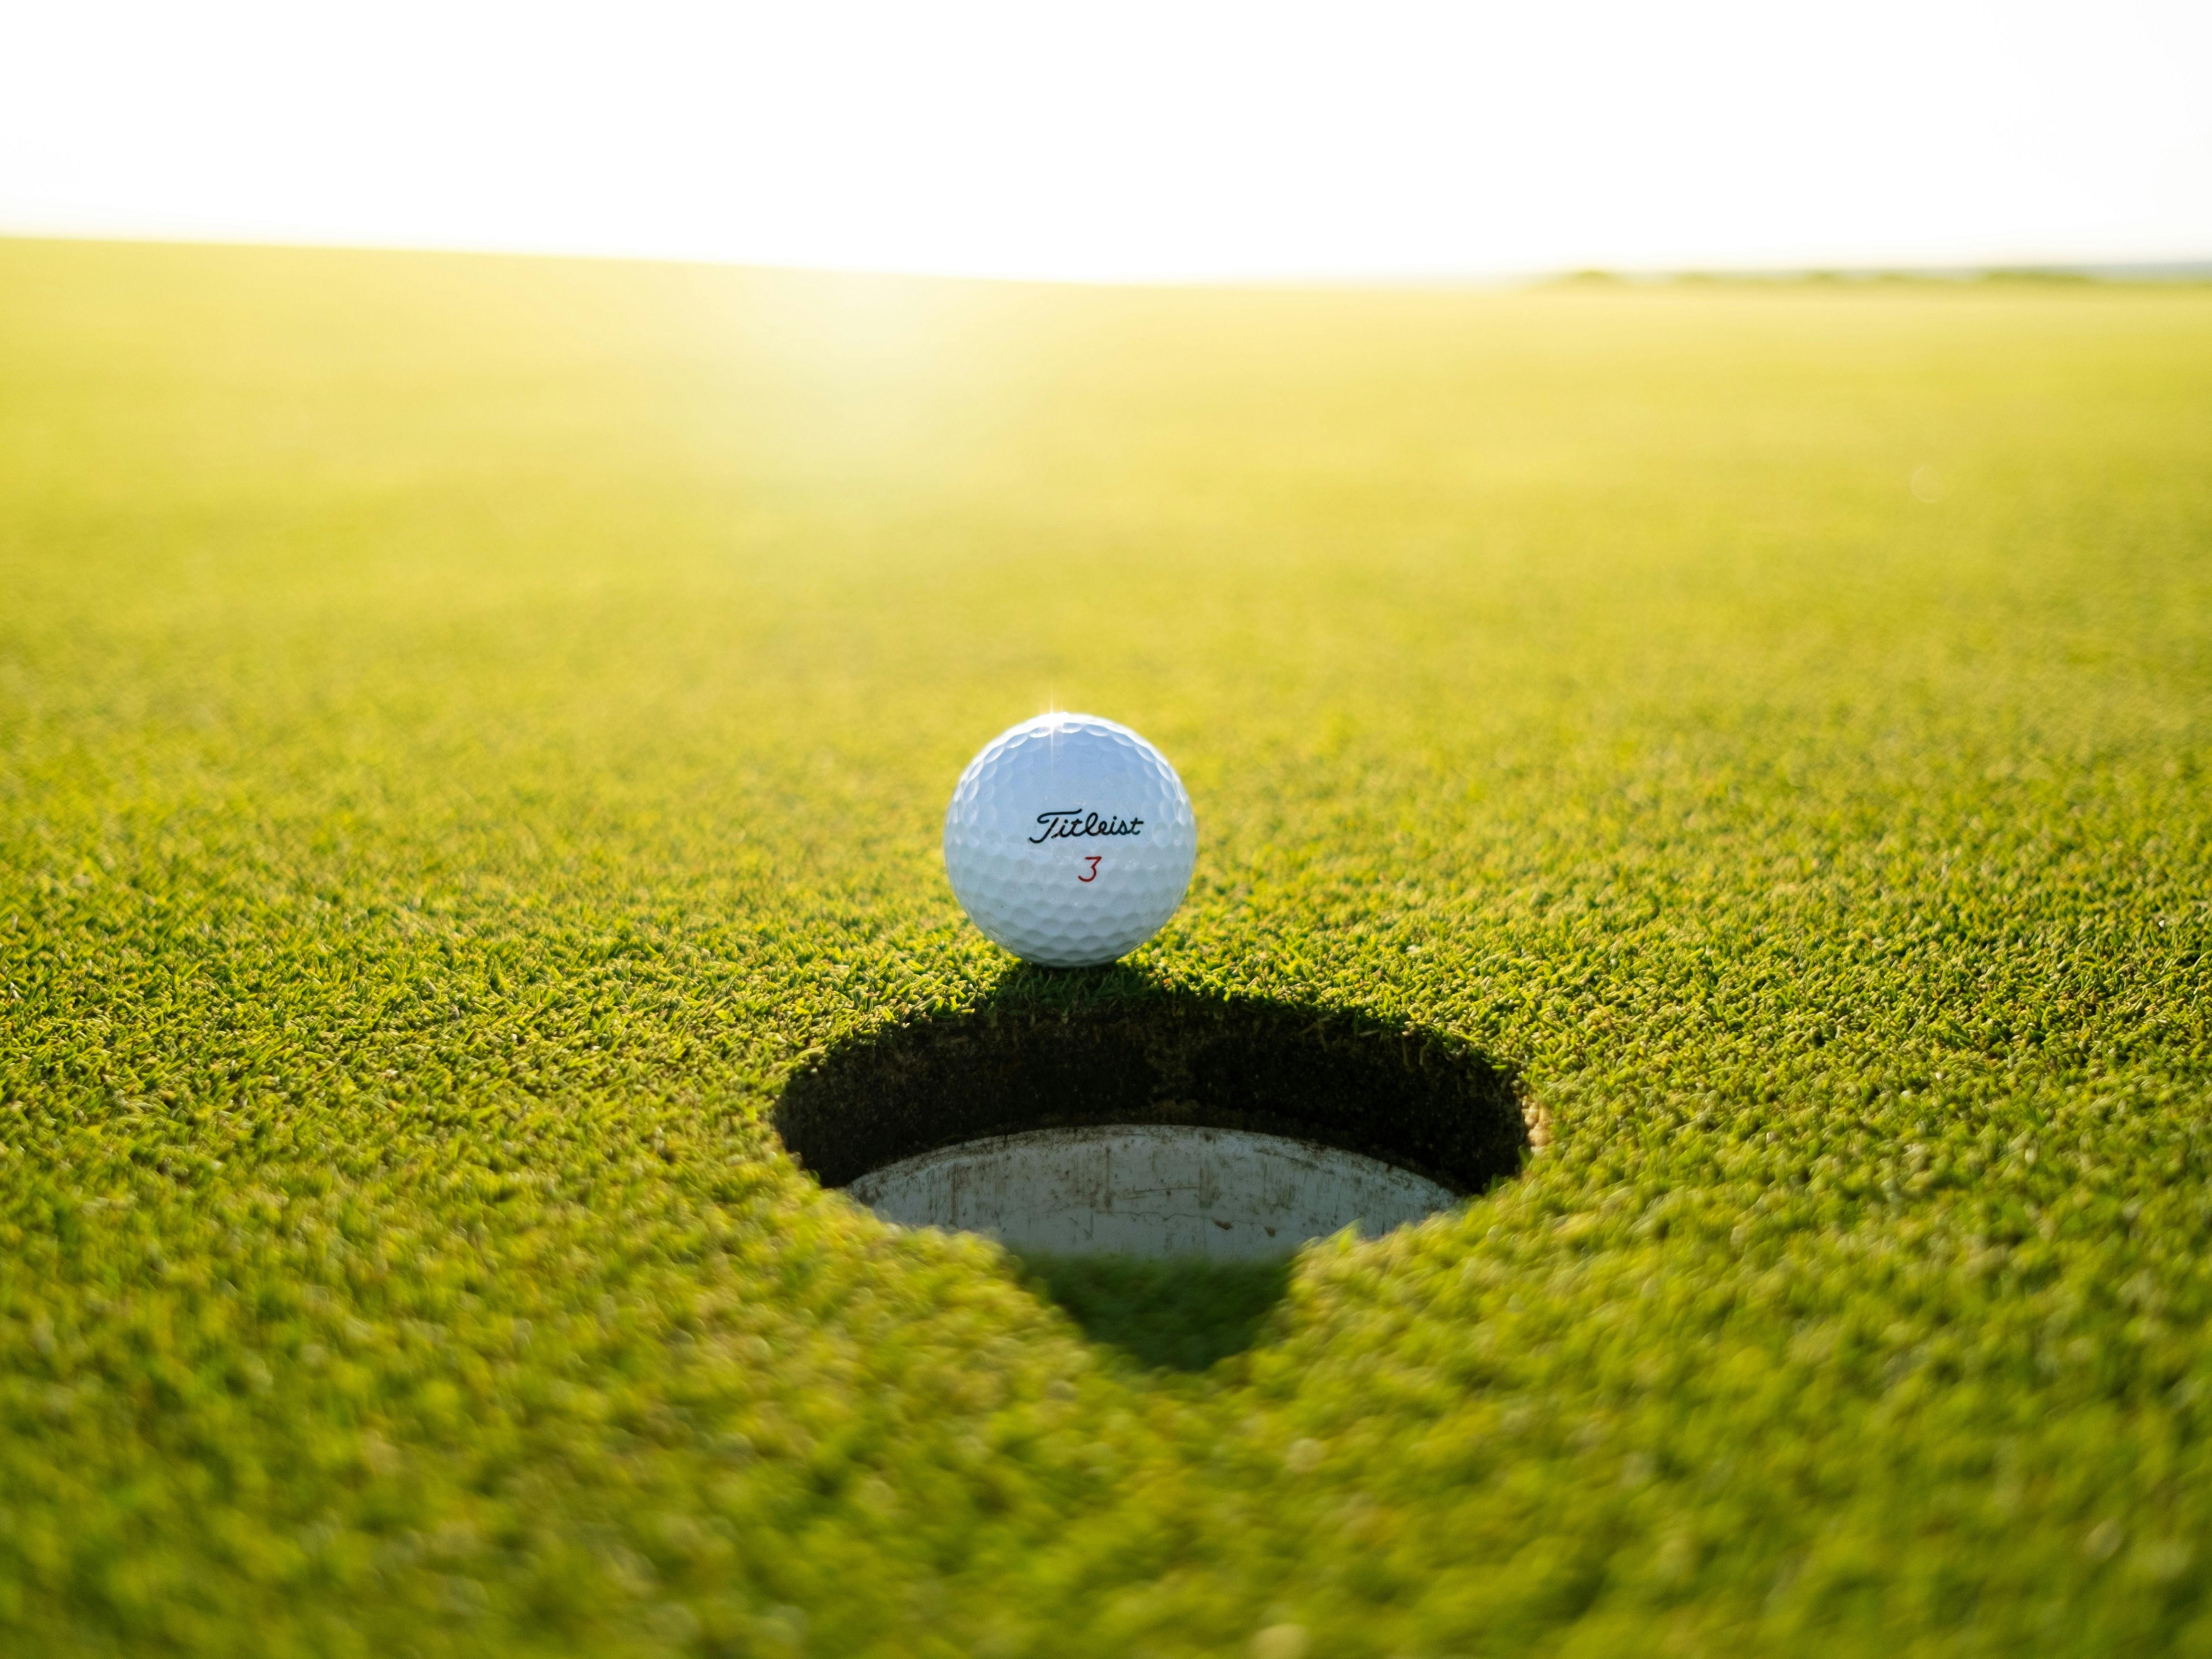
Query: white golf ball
[1069, 840]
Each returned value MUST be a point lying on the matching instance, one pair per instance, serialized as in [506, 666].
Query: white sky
[1130, 140]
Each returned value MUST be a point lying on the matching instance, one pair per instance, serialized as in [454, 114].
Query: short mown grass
[471, 730]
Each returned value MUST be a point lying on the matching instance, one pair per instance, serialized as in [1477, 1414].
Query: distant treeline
[2044, 275]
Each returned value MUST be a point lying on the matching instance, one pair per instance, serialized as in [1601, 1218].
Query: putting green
[469, 729]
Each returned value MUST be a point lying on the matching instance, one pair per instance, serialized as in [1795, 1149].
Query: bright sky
[1129, 140]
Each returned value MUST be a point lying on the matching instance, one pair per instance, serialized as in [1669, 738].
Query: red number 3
[1092, 860]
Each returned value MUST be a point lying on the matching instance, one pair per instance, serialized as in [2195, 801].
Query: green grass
[470, 729]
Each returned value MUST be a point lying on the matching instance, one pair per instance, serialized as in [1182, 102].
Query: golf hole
[1153, 1125]
[1149, 1190]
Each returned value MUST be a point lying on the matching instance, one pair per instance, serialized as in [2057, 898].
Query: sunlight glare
[1146, 140]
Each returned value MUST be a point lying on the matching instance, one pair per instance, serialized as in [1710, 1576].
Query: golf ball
[1069, 840]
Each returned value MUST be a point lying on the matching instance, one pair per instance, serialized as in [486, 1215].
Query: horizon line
[2161, 269]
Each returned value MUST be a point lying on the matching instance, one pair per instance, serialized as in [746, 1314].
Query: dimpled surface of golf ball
[1069, 840]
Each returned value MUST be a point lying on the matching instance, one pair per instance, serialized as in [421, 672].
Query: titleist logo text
[1075, 821]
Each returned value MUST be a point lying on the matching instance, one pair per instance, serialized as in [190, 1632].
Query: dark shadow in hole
[1174, 1314]
[1051, 1050]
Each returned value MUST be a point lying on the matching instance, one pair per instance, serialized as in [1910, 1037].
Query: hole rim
[1097, 1048]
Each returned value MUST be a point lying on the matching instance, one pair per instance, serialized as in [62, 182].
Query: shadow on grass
[1167, 1313]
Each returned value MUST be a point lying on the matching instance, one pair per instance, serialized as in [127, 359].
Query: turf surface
[470, 729]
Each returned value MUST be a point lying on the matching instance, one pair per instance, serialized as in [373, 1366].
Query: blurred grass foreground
[470, 729]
